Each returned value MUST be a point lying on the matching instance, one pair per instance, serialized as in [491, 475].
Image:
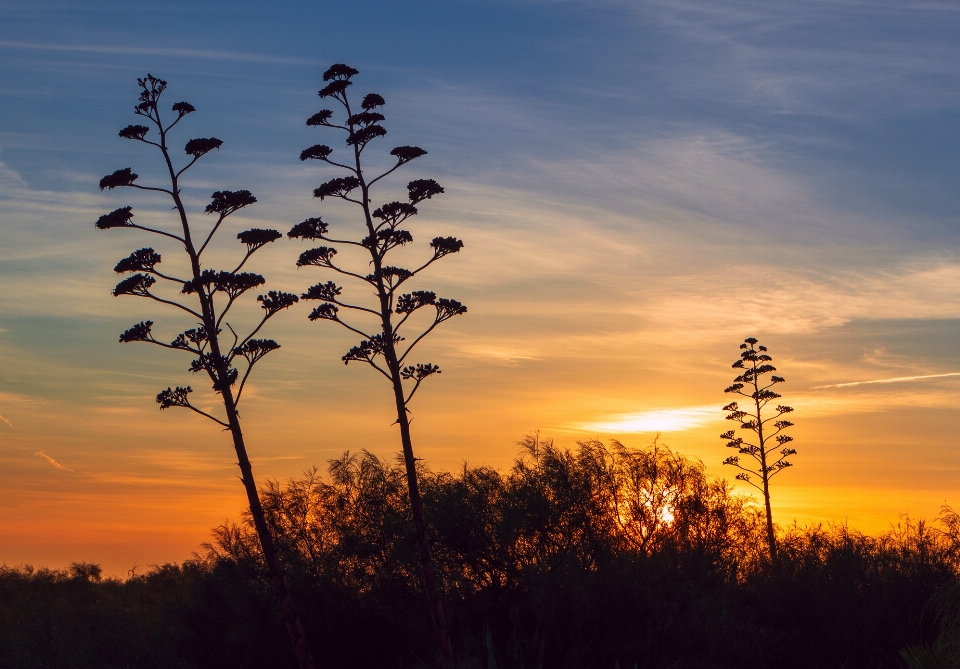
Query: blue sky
[640, 185]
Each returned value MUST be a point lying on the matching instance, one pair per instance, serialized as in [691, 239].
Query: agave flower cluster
[755, 363]
[215, 291]
[382, 234]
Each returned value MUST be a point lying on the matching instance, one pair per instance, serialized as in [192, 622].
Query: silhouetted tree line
[600, 556]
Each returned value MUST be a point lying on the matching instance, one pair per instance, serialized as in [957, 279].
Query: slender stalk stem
[416, 506]
[385, 294]
[220, 374]
[764, 472]
[290, 617]
[386, 282]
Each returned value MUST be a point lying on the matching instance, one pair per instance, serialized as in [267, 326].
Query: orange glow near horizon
[124, 484]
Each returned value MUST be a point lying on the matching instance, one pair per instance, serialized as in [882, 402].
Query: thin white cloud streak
[53, 462]
[7, 422]
[897, 379]
[497, 353]
[10, 179]
[160, 51]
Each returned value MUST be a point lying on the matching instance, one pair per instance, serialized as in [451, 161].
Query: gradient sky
[640, 185]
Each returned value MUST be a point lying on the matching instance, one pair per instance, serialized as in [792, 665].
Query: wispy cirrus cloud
[829, 59]
[498, 354]
[159, 51]
[53, 462]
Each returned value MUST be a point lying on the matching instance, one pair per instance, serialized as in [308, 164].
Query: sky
[639, 186]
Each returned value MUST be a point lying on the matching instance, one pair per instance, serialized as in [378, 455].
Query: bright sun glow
[661, 420]
[666, 514]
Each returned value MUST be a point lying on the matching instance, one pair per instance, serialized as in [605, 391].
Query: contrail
[52, 461]
[7, 422]
[894, 380]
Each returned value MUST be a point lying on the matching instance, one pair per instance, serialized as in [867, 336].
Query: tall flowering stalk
[382, 346]
[765, 434]
[206, 296]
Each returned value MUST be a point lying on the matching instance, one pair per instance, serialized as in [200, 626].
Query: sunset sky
[639, 185]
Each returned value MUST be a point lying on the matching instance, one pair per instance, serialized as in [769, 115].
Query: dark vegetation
[601, 556]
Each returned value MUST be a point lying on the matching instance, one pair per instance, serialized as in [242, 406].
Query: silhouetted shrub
[571, 558]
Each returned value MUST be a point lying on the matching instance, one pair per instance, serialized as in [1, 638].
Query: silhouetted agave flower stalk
[206, 296]
[382, 346]
[766, 433]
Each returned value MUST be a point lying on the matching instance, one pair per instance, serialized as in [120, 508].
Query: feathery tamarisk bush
[381, 346]
[207, 296]
[569, 559]
[767, 433]
[547, 563]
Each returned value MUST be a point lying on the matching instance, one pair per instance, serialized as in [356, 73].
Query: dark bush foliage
[584, 558]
